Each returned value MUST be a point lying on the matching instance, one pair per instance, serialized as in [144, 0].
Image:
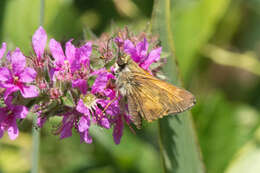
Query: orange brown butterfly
[147, 97]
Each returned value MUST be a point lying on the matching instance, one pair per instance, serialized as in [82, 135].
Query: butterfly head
[122, 61]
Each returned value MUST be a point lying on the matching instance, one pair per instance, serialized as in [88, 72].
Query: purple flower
[87, 104]
[60, 60]
[68, 122]
[139, 53]
[74, 58]
[103, 76]
[81, 84]
[119, 126]
[78, 118]
[39, 41]
[18, 76]
[84, 53]
[101, 86]
[40, 120]
[118, 129]
[2, 50]
[8, 116]
[84, 122]
[83, 128]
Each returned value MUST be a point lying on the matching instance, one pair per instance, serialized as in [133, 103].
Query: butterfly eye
[121, 62]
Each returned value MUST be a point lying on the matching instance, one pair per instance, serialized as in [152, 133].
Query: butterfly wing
[151, 98]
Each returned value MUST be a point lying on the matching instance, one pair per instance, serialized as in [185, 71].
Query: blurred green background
[217, 45]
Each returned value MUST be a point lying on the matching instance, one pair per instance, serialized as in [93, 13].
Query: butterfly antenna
[107, 106]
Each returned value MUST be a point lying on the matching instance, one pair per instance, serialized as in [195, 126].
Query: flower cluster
[73, 82]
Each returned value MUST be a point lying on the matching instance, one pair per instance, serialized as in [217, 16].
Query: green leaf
[68, 100]
[132, 154]
[61, 21]
[247, 157]
[223, 126]
[179, 150]
[193, 24]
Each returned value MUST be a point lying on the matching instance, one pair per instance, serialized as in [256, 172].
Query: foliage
[226, 117]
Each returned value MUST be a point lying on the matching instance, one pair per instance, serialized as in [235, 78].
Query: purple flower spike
[39, 40]
[8, 117]
[18, 76]
[2, 50]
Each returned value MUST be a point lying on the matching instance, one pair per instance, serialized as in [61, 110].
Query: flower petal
[84, 123]
[18, 61]
[113, 109]
[66, 131]
[29, 91]
[1, 132]
[131, 50]
[105, 123]
[28, 75]
[5, 74]
[67, 125]
[85, 52]
[10, 90]
[70, 52]
[12, 130]
[41, 121]
[20, 111]
[101, 119]
[8, 102]
[81, 84]
[101, 82]
[3, 114]
[2, 49]
[82, 108]
[39, 40]
[153, 56]
[118, 130]
[85, 136]
[57, 52]
[142, 48]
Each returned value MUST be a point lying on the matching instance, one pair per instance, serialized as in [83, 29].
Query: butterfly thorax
[124, 82]
[124, 77]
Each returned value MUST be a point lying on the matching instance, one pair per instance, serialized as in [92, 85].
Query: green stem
[41, 12]
[36, 132]
[36, 144]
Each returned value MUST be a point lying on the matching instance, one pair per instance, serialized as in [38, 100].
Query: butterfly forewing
[154, 98]
[151, 98]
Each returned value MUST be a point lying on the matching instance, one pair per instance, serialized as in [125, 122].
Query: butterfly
[147, 97]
